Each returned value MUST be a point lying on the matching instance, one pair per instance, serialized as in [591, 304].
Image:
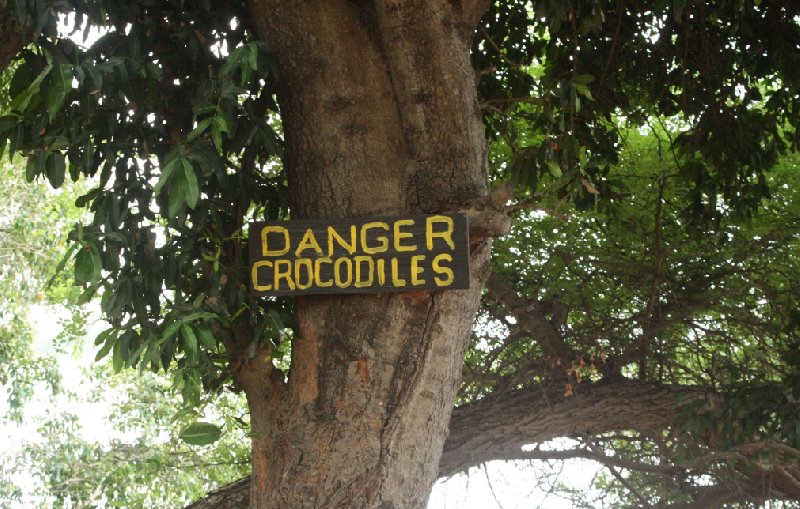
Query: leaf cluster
[168, 109]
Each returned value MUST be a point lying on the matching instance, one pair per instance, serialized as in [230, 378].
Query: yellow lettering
[309, 242]
[337, 280]
[361, 283]
[446, 235]
[303, 262]
[285, 273]
[416, 270]
[396, 281]
[334, 235]
[254, 275]
[381, 271]
[437, 268]
[398, 235]
[383, 242]
[317, 269]
[265, 231]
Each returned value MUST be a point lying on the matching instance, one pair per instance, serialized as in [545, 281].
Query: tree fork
[385, 87]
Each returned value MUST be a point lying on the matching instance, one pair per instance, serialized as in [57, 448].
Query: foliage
[636, 292]
[652, 150]
[555, 77]
[136, 459]
[168, 265]
[33, 224]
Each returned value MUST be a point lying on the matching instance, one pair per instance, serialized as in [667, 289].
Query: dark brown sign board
[395, 254]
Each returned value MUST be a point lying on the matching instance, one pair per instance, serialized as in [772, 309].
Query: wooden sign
[424, 252]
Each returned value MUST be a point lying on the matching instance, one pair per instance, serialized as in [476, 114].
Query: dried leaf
[589, 187]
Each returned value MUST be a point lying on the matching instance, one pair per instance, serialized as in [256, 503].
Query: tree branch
[542, 331]
[497, 427]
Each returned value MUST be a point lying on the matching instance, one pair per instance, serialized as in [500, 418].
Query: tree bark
[497, 427]
[13, 38]
[381, 117]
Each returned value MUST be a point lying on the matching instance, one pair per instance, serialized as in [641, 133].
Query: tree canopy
[643, 302]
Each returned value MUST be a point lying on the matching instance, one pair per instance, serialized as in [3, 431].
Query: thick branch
[498, 425]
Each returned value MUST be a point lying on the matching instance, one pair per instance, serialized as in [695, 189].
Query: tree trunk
[12, 37]
[381, 118]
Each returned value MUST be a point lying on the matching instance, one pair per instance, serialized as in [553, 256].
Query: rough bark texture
[12, 37]
[498, 426]
[381, 118]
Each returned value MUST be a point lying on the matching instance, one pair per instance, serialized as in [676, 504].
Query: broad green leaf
[205, 336]
[253, 56]
[56, 169]
[176, 195]
[191, 190]
[166, 173]
[95, 75]
[117, 360]
[555, 169]
[232, 62]
[109, 343]
[275, 324]
[201, 433]
[201, 127]
[189, 342]
[584, 91]
[173, 327]
[88, 265]
[21, 101]
[61, 84]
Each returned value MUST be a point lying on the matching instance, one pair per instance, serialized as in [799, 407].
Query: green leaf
[174, 326]
[95, 75]
[201, 433]
[21, 101]
[205, 336]
[584, 91]
[201, 127]
[582, 79]
[60, 85]
[109, 343]
[176, 197]
[189, 342]
[56, 169]
[252, 55]
[30, 167]
[232, 62]
[555, 169]
[276, 324]
[117, 360]
[191, 190]
[62, 263]
[88, 265]
[165, 174]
